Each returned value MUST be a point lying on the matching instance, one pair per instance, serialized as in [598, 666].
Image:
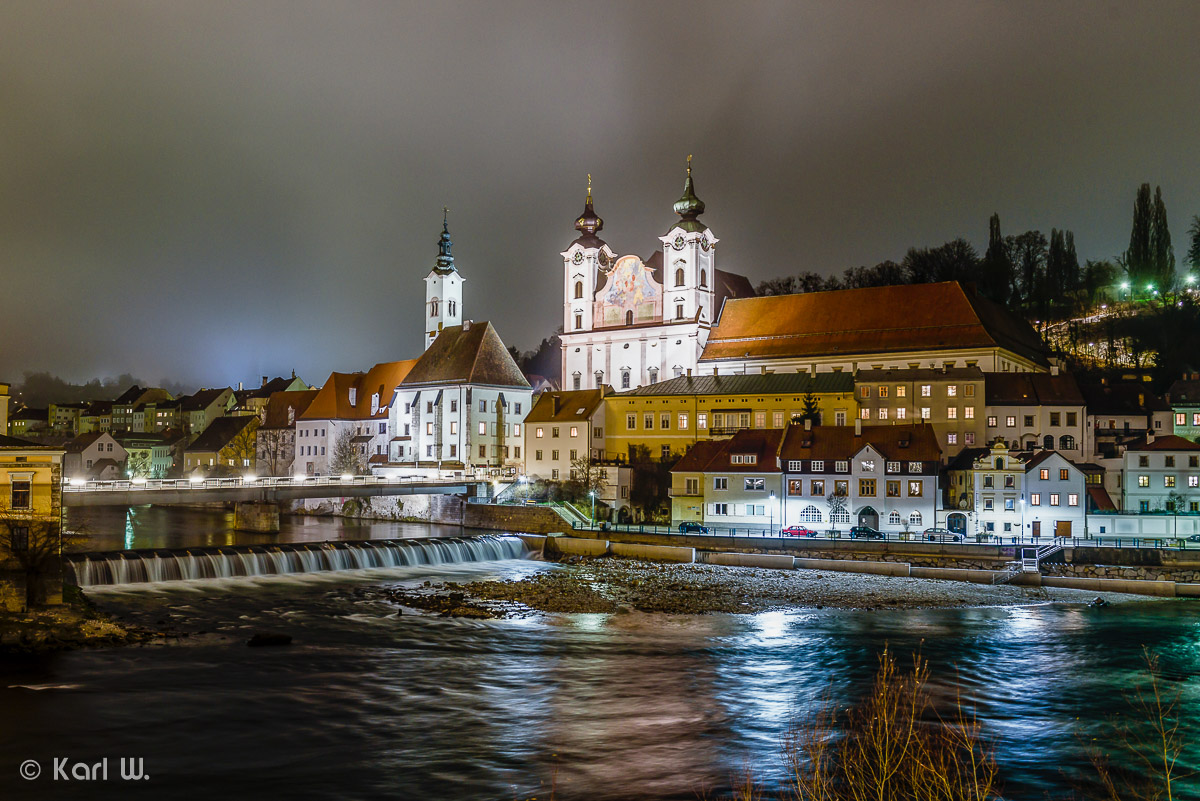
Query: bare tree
[345, 457]
[35, 544]
[276, 450]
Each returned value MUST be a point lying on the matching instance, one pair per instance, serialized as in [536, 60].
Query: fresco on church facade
[631, 288]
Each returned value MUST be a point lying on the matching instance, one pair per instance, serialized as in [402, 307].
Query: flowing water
[367, 703]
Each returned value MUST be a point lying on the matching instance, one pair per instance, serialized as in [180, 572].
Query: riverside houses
[823, 477]
[986, 492]
[1161, 474]
[950, 399]
[1037, 411]
[1055, 495]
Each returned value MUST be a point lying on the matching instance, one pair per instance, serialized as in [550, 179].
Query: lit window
[682, 422]
[926, 390]
[483, 428]
[1072, 500]
[865, 414]
[951, 391]
[924, 412]
[1143, 481]
[900, 413]
[1054, 499]
[952, 413]
[574, 431]
[900, 391]
[952, 438]
[969, 412]
[1035, 499]
[539, 432]
[1010, 421]
[1168, 481]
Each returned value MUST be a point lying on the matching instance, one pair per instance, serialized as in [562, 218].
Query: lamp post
[593, 496]
[772, 513]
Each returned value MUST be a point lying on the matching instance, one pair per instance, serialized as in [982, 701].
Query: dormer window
[291, 415]
[374, 403]
[353, 396]
[744, 458]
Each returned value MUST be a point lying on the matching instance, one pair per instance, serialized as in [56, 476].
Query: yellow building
[30, 524]
[670, 416]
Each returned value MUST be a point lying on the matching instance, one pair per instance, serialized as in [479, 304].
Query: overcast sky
[212, 191]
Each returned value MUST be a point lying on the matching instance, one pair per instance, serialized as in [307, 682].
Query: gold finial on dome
[589, 196]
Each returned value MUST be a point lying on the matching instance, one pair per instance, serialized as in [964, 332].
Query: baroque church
[629, 322]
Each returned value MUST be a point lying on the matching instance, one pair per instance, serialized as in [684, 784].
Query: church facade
[628, 322]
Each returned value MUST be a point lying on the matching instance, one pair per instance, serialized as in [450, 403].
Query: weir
[245, 561]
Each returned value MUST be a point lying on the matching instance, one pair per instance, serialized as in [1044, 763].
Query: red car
[798, 531]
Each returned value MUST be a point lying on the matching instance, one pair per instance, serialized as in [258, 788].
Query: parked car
[692, 528]
[1194, 538]
[798, 531]
[865, 532]
[941, 535]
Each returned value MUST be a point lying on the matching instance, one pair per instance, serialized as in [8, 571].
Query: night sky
[212, 191]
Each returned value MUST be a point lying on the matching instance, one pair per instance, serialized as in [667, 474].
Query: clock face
[704, 244]
[678, 243]
[579, 257]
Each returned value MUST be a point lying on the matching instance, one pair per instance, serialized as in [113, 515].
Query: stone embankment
[66, 627]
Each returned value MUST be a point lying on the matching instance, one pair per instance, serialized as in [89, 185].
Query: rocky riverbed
[618, 585]
[65, 627]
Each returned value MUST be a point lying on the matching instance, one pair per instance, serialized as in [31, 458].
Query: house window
[1168, 481]
[883, 392]
[1072, 500]
[926, 390]
[1143, 481]
[653, 375]
[894, 518]
[482, 428]
[631, 422]
[682, 422]
[810, 514]
[1054, 499]
[1066, 443]
[1055, 418]
[1064, 474]
[755, 484]
[893, 489]
[818, 488]
[865, 413]
[720, 483]
[901, 391]
[574, 431]
[433, 307]
[554, 432]
[818, 466]
[987, 504]
[1009, 504]
[1143, 506]
[1044, 474]
[893, 467]
[648, 421]
[720, 508]
[866, 487]
[1028, 420]
[915, 467]
[1071, 417]
[916, 489]
[952, 438]
[914, 519]
[691, 486]
[21, 495]
[1010, 421]
[901, 413]
[678, 311]
[537, 455]
[539, 432]
[988, 481]
[1193, 481]
[703, 278]
[883, 413]
[578, 321]
[701, 420]
[1169, 461]
[864, 391]
[951, 391]
[841, 467]
[664, 421]
[969, 390]
[20, 538]
[574, 454]
[1035, 499]
[970, 437]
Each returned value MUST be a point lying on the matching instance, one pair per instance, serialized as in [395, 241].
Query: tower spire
[445, 260]
[589, 223]
[689, 207]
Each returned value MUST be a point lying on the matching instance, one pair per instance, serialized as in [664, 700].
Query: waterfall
[149, 566]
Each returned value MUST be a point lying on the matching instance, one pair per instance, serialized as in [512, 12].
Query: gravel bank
[615, 585]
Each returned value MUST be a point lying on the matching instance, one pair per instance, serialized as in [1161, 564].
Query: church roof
[445, 261]
[689, 207]
[886, 319]
[471, 353]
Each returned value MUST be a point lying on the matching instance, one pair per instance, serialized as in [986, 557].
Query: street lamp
[593, 495]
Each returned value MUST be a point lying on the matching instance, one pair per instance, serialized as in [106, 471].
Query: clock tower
[443, 289]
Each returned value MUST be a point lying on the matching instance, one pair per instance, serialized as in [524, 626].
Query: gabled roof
[220, 432]
[752, 384]
[716, 455]
[1032, 389]
[83, 442]
[332, 401]
[967, 457]
[129, 396]
[299, 400]
[1100, 501]
[889, 319]
[202, 399]
[1184, 392]
[1041, 456]
[909, 443]
[24, 444]
[1168, 442]
[565, 407]
[30, 413]
[471, 353]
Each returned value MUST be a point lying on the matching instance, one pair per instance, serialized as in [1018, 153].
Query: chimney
[239, 386]
[264, 383]
[466, 325]
[689, 372]
[858, 426]
[1149, 437]
[762, 370]
[808, 424]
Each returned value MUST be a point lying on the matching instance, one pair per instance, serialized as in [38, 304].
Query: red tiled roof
[910, 443]
[1168, 442]
[277, 407]
[332, 401]
[472, 353]
[573, 405]
[1101, 502]
[871, 320]
[762, 443]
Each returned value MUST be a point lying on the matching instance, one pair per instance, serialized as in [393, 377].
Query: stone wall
[1120, 572]
[531, 519]
[447, 509]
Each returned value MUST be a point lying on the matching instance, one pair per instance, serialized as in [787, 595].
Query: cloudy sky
[211, 191]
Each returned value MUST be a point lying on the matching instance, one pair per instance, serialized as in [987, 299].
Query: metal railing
[126, 485]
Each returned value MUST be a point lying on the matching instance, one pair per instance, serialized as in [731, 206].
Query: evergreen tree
[1072, 275]
[812, 411]
[1162, 255]
[1027, 252]
[1138, 259]
[997, 275]
[1193, 254]
[1055, 258]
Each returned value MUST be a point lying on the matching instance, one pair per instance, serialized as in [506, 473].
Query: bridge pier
[258, 516]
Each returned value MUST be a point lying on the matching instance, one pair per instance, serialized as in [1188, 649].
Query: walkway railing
[77, 485]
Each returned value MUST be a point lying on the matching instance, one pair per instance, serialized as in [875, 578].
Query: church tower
[583, 260]
[443, 288]
[689, 258]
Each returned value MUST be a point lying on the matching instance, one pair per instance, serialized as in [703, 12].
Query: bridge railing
[139, 484]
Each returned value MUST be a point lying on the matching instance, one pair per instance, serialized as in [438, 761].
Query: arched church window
[629, 317]
[578, 321]
[450, 307]
[679, 276]
[624, 379]
[433, 307]
[703, 278]
[678, 311]
[578, 290]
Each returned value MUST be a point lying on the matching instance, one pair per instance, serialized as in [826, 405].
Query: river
[370, 704]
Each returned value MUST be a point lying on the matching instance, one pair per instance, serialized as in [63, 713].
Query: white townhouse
[1037, 411]
[886, 476]
[1055, 497]
[1161, 474]
[461, 406]
[985, 492]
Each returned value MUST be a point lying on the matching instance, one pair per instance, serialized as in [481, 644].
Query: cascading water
[139, 567]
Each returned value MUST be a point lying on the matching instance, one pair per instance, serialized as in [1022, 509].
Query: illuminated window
[951, 391]
[865, 413]
[1035, 499]
[1168, 481]
[1072, 500]
[883, 392]
[682, 422]
[539, 432]
[883, 413]
[952, 413]
[924, 412]
[1054, 499]
[926, 390]
[483, 428]
[574, 431]
[866, 487]
[900, 391]
[900, 413]
[1143, 481]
